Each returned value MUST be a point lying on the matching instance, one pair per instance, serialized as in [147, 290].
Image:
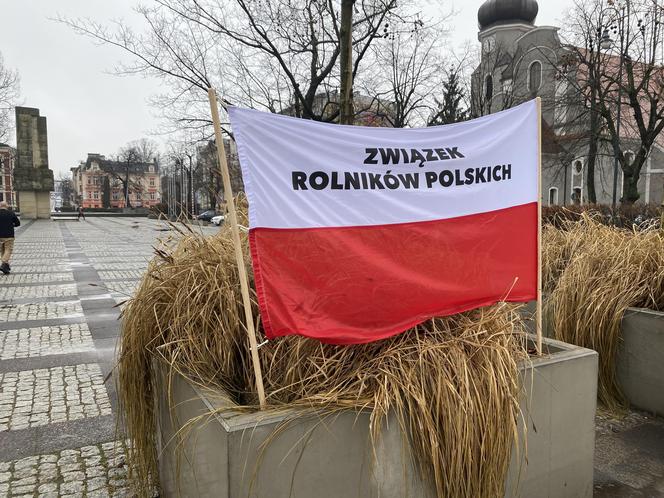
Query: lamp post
[606, 43]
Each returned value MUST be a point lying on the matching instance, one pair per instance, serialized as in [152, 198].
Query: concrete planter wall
[640, 361]
[291, 454]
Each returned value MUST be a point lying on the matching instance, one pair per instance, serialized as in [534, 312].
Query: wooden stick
[244, 282]
[538, 313]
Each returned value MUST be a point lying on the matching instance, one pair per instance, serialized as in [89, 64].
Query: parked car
[207, 215]
[217, 220]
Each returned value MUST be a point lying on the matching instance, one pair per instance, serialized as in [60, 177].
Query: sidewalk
[59, 432]
[629, 456]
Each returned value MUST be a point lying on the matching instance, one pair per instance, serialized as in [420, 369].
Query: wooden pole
[538, 313]
[346, 62]
[244, 282]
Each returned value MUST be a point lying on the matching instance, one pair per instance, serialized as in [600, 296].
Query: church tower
[518, 59]
[501, 22]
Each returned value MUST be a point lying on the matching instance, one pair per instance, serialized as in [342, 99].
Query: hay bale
[453, 382]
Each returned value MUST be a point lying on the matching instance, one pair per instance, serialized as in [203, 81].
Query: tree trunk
[212, 197]
[592, 148]
[590, 168]
[126, 186]
[630, 193]
[346, 62]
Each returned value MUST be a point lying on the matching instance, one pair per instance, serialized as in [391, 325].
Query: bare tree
[406, 74]
[581, 88]
[146, 150]
[132, 156]
[66, 188]
[9, 94]
[279, 55]
[621, 79]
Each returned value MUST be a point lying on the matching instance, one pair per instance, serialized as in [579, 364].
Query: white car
[217, 220]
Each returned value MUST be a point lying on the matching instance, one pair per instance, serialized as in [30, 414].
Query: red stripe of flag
[350, 285]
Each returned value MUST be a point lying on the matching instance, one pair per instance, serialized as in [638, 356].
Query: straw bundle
[452, 382]
[593, 273]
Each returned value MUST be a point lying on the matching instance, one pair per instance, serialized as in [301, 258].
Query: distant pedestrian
[80, 213]
[8, 220]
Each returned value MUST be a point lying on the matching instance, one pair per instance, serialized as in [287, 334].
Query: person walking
[8, 220]
[81, 213]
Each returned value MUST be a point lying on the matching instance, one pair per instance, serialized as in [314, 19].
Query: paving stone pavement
[59, 328]
[8, 293]
[39, 311]
[40, 397]
[44, 341]
[34, 275]
[94, 471]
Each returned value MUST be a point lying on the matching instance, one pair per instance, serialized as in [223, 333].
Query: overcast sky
[89, 110]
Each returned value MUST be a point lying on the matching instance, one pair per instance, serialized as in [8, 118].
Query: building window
[96, 195]
[553, 196]
[152, 196]
[2, 196]
[534, 76]
[151, 182]
[577, 181]
[488, 88]
[560, 113]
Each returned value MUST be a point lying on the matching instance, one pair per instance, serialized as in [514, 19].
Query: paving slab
[629, 455]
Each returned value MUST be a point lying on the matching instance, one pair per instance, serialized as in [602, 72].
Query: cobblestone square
[42, 341]
[121, 291]
[52, 371]
[120, 275]
[121, 265]
[40, 311]
[94, 471]
[7, 293]
[17, 276]
[29, 398]
[32, 259]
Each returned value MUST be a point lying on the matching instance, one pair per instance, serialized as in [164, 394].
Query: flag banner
[360, 233]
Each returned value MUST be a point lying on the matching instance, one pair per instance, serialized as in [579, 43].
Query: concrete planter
[292, 454]
[640, 360]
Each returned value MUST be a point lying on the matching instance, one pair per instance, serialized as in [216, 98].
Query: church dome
[506, 11]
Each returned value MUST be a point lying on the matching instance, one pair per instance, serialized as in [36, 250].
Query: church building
[521, 61]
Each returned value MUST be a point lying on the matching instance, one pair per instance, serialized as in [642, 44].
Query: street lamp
[606, 43]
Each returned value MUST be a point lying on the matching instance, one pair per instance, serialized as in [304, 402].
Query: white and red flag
[360, 233]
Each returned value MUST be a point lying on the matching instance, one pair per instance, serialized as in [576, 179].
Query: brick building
[102, 183]
[7, 157]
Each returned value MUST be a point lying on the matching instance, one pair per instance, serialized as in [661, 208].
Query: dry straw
[453, 383]
[592, 274]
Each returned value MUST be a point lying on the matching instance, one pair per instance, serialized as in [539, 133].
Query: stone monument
[33, 181]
